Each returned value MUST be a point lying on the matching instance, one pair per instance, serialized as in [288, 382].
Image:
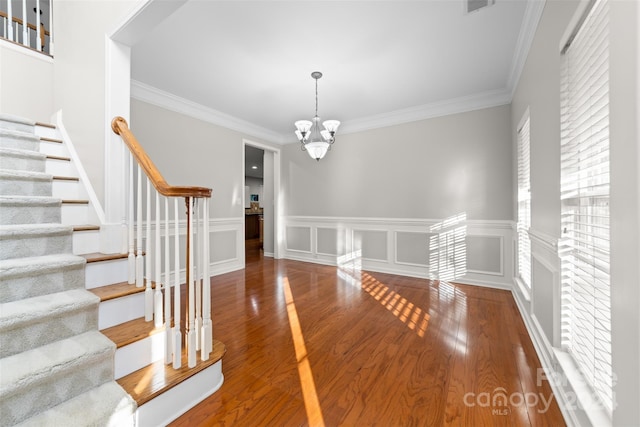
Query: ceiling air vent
[474, 5]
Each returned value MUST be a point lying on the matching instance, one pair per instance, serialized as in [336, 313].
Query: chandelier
[314, 141]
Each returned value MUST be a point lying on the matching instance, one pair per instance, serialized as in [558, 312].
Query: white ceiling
[383, 61]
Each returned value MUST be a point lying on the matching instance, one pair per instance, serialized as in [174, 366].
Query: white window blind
[524, 204]
[584, 245]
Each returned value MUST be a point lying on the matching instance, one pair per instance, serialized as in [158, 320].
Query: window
[524, 204]
[584, 245]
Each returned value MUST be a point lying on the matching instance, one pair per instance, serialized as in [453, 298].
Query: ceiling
[384, 62]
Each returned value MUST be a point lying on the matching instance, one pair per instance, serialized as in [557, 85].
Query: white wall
[26, 83]
[81, 28]
[252, 186]
[539, 90]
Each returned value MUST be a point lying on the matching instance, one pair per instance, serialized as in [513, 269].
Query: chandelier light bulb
[315, 141]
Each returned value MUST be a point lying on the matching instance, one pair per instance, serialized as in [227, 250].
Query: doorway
[261, 195]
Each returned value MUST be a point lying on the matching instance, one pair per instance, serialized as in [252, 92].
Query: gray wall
[426, 169]
[539, 90]
[189, 151]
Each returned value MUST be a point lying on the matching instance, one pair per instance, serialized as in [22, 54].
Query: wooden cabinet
[252, 226]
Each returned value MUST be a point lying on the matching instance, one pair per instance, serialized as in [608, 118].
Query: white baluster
[38, 29]
[157, 296]
[207, 330]
[177, 321]
[139, 257]
[130, 233]
[9, 21]
[25, 27]
[148, 292]
[198, 274]
[191, 336]
[168, 344]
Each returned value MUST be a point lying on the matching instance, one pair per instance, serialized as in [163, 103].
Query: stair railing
[17, 26]
[146, 263]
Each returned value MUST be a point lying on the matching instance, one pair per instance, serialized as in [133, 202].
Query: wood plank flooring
[381, 350]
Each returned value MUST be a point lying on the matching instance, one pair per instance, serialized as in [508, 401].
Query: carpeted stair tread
[43, 377]
[41, 275]
[39, 320]
[7, 231]
[16, 159]
[107, 405]
[20, 370]
[19, 139]
[17, 182]
[30, 209]
[35, 176]
[28, 240]
[10, 118]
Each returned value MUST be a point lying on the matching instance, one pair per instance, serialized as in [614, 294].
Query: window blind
[524, 204]
[584, 244]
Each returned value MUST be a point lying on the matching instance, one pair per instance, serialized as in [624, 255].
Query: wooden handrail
[120, 127]
[19, 21]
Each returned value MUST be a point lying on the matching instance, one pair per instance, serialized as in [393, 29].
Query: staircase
[74, 346]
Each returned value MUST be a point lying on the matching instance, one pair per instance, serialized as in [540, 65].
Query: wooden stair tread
[46, 125]
[66, 178]
[52, 157]
[75, 202]
[116, 290]
[45, 139]
[97, 257]
[87, 227]
[131, 331]
[153, 380]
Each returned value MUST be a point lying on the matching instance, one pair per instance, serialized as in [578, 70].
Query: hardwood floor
[317, 345]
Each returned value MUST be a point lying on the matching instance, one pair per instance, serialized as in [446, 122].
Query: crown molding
[532, 15]
[155, 96]
[437, 109]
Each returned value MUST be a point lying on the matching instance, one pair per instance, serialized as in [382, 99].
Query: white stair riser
[68, 190]
[46, 132]
[116, 311]
[86, 242]
[23, 246]
[53, 148]
[60, 168]
[171, 404]
[106, 273]
[139, 354]
[74, 214]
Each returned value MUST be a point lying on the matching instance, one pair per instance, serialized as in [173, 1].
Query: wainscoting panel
[412, 248]
[484, 255]
[405, 246]
[371, 244]
[226, 243]
[328, 241]
[298, 239]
